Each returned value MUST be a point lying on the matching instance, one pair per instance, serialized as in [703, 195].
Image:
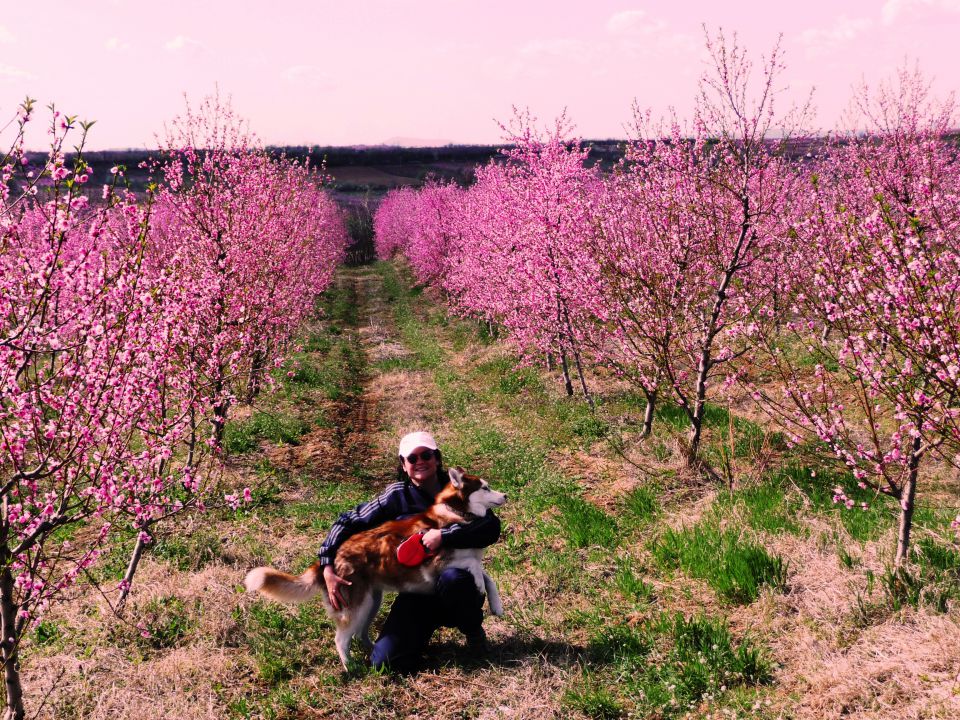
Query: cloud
[634, 22]
[893, 10]
[640, 34]
[844, 30]
[8, 73]
[633, 36]
[6, 37]
[116, 45]
[310, 76]
[557, 48]
[184, 44]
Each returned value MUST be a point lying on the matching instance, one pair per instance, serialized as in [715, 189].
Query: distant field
[369, 176]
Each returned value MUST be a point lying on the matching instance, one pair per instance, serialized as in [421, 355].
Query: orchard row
[826, 283]
[129, 327]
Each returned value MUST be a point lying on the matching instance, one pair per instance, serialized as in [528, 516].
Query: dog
[368, 560]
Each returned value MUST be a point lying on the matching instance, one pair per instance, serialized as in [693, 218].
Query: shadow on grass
[509, 653]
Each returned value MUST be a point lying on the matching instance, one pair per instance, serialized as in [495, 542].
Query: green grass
[278, 428]
[665, 667]
[48, 633]
[629, 582]
[421, 342]
[931, 579]
[282, 640]
[391, 364]
[505, 376]
[585, 525]
[590, 697]
[640, 505]
[734, 567]
[817, 485]
[507, 464]
[768, 506]
[327, 501]
[456, 398]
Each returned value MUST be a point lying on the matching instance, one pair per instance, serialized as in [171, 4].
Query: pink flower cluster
[821, 274]
[128, 328]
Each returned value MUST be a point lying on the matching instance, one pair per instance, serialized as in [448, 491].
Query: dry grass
[832, 660]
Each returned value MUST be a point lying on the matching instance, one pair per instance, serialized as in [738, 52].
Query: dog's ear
[456, 477]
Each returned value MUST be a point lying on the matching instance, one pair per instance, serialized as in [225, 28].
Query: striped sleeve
[385, 506]
[479, 533]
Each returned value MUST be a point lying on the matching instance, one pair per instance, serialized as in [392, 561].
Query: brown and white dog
[368, 560]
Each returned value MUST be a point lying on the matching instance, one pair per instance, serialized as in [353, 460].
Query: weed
[591, 698]
[669, 664]
[944, 558]
[190, 551]
[846, 559]
[628, 647]
[590, 427]
[47, 632]
[163, 623]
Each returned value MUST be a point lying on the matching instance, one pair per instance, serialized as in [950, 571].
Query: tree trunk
[648, 413]
[694, 436]
[549, 361]
[710, 333]
[220, 410]
[699, 405]
[257, 365]
[566, 373]
[580, 376]
[131, 570]
[9, 645]
[907, 498]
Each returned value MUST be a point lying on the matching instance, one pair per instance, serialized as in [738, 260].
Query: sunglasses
[424, 456]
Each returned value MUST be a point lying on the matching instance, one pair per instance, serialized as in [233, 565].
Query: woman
[414, 617]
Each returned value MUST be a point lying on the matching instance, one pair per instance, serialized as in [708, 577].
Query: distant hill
[416, 142]
[365, 172]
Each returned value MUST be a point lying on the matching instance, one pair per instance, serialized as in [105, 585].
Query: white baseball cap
[410, 442]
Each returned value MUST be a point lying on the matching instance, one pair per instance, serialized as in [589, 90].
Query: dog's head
[469, 494]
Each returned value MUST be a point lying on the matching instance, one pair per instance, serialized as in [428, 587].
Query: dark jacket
[400, 500]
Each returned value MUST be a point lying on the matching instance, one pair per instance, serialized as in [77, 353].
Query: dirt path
[583, 635]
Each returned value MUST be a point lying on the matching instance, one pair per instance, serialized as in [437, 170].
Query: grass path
[629, 591]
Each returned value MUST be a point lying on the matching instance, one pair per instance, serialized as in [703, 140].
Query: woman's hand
[333, 583]
[432, 539]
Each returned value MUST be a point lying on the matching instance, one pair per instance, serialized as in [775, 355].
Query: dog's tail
[282, 587]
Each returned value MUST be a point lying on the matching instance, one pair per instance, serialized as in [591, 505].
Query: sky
[349, 72]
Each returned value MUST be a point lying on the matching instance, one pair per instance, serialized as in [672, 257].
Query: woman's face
[421, 465]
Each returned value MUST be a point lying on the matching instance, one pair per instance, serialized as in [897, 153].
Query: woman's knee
[457, 584]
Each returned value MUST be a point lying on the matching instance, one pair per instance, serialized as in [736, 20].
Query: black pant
[414, 617]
